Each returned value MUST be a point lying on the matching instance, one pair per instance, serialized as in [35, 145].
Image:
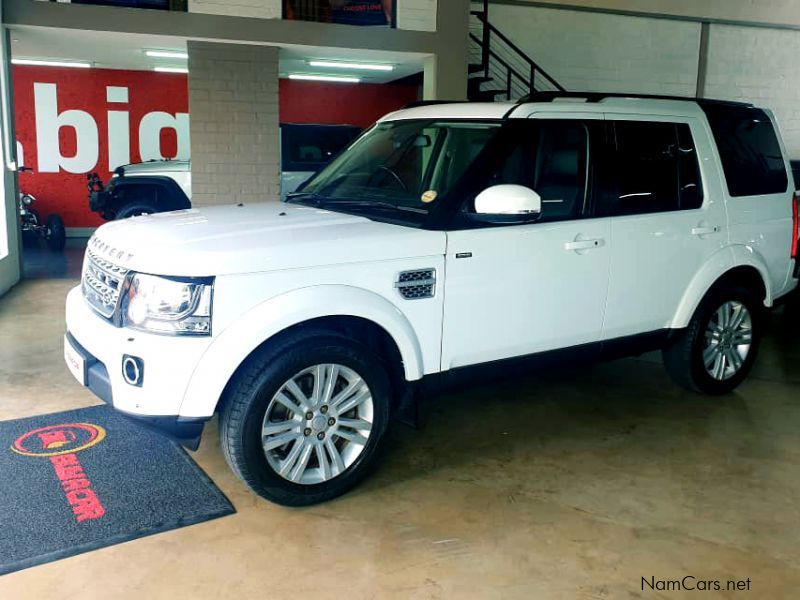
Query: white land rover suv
[447, 238]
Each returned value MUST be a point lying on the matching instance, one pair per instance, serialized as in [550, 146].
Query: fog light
[133, 370]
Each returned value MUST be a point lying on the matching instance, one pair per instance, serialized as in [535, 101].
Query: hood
[155, 166]
[222, 240]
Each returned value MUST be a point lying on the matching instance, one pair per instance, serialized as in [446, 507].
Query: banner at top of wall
[346, 12]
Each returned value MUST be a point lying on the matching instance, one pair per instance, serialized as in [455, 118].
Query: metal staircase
[499, 69]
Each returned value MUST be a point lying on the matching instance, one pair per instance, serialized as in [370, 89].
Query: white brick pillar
[233, 103]
[445, 72]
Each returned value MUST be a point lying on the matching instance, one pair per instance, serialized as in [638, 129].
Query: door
[514, 290]
[666, 220]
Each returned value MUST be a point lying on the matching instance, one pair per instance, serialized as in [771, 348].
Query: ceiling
[126, 51]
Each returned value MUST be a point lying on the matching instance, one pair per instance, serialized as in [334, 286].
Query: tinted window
[310, 147]
[647, 167]
[796, 173]
[690, 183]
[657, 168]
[550, 157]
[749, 150]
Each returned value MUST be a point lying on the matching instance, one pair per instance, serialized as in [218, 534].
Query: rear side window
[749, 150]
[657, 168]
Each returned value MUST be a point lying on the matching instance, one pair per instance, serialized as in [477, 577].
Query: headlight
[27, 199]
[168, 305]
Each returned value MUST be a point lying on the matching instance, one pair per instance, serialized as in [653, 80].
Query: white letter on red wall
[119, 135]
[48, 124]
[150, 134]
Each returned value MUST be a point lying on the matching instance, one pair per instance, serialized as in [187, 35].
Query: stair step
[475, 68]
[474, 84]
[486, 95]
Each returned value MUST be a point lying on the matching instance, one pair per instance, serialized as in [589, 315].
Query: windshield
[400, 165]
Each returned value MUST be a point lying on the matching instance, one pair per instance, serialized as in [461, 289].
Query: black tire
[248, 396]
[56, 236]
[136, 208]
[683, 357]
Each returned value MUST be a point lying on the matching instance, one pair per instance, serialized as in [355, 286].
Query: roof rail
[549, 96]
[418, 103]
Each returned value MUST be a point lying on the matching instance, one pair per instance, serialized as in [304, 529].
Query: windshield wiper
[379, 204]
[302, 197]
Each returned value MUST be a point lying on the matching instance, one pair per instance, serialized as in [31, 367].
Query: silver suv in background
[164, 185]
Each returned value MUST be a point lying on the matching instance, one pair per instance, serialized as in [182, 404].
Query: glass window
[551, 158]
[647, 167]
[311, 147]
[691, 185]
[405, 164]
[749, 150]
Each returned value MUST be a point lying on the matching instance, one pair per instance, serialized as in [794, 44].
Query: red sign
[70, 122]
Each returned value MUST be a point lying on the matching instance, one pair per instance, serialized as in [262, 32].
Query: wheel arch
[354, 312]
[168, 195]
[735, 264]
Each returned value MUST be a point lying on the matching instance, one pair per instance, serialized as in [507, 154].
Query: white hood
[224, 240]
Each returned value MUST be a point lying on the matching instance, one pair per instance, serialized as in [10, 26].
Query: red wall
[341, 103]
[85, 90]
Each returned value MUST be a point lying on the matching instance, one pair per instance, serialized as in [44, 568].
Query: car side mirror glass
[508, 202]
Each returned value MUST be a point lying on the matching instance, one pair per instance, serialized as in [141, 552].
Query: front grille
[102, 283]
[414, 285]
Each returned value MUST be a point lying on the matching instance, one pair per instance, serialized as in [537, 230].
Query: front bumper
[169, 366]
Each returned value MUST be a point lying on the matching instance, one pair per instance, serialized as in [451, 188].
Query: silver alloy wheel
[317, 424]
[728, 338]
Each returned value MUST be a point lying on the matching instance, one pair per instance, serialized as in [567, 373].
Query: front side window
[402, 165]
[551, 158]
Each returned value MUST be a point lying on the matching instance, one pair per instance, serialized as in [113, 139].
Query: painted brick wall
[264, 9]
[616, 53]
[236, 158]
[417, 15]
[758, 65]
[605, 52]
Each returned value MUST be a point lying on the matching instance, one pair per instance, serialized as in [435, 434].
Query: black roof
[598, 96]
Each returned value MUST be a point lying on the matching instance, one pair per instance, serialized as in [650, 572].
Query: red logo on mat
[60, 443]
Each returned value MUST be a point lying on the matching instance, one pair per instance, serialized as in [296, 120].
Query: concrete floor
[572, 485]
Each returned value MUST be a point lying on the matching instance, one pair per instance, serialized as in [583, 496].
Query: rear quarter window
[749, 150]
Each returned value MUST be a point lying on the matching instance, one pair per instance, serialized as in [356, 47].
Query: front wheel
[136, 209]
[303, 422]
[715, 353]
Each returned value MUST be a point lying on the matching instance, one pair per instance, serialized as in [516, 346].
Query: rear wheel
[302, 423]
[715, 353]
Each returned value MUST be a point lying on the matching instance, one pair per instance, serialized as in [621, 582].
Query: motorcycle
[51, 230]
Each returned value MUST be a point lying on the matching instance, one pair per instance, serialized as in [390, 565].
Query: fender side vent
[415, 285]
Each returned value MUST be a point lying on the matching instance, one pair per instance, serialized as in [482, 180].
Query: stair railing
[502, 60]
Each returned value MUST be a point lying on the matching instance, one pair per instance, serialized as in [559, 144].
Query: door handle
[578, 245]
[705, 230]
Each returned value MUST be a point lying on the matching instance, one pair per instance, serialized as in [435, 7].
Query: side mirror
[508, 204]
